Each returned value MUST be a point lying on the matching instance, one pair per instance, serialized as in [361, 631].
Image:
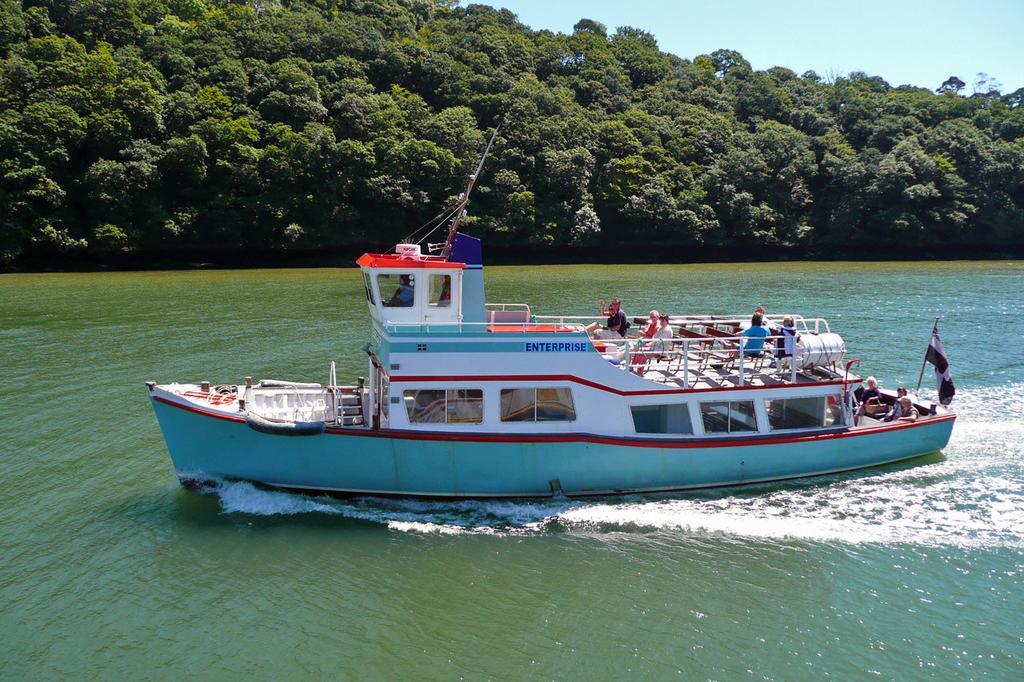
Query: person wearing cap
[897, 410]
[909, 412]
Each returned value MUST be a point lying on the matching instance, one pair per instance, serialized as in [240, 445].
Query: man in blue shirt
[754, 336]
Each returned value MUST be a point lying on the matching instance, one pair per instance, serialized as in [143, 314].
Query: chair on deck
[703, 349]
[728, 344]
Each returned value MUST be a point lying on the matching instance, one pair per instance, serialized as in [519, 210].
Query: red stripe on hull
[586, 382]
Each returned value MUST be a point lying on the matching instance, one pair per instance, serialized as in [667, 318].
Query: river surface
[109, 570]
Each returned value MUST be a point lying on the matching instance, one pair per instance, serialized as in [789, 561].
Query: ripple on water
[973, 497]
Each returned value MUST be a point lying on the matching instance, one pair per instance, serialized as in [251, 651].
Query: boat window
[795, 413]
[441, 291]
[396, 291]
[537, 405]
[734, 416]
[425, 406]
[834, 414]
[452, 406]
[465, 406]
[367, 287]
[662, 419]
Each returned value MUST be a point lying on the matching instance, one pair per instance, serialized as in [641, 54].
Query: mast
[460, 210]
[920, 377]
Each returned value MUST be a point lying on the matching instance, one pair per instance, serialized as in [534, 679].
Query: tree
[197, 124]
[951, 84]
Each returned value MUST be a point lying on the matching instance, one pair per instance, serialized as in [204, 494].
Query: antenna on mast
[460, 210]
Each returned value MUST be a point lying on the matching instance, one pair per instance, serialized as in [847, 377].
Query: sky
[912, 42]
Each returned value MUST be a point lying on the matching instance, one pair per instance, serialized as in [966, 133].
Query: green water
[109, 570]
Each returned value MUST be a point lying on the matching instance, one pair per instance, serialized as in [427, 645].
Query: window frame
[782, 400]
[447, 391]
[430, 290]
[385, 303]
[729, 409]
[684, 407]
[368, 287]
[837, 405]
[536, 403]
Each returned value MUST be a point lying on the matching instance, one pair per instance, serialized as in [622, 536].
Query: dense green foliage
[189, 124]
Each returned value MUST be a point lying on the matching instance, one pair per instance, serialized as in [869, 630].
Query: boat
[468, 399]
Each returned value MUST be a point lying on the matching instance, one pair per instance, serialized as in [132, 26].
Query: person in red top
[653, 323]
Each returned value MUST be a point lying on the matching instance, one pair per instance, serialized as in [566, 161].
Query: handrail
[806, 324]
[634, 354]
[502, 307]
[812, 325]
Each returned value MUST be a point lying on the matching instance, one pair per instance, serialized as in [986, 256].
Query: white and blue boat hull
[206, 444]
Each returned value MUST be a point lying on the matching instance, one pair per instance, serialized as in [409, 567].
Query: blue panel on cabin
[466, 249]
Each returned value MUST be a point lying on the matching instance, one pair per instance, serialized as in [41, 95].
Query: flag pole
[920, 377]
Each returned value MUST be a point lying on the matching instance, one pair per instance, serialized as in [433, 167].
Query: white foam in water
[974, 496]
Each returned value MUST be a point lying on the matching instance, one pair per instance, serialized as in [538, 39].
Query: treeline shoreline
[144, 132]
[632, 254]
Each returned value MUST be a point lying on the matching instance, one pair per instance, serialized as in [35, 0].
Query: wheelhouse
[409, 288]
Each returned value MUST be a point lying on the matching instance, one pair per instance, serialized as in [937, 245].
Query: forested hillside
[178, 126]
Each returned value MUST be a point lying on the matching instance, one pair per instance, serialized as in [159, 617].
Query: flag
[937, 356]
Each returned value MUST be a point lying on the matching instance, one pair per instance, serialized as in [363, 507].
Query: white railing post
[742, 352]
[686, 363]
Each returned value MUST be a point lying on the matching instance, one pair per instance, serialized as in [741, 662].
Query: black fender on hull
[283, 428]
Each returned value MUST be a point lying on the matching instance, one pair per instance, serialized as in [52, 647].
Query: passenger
[896, 411]
[653, 322]
[659, 345]
[616, 326]
[910, 413]
[754, 336]
[759, 310]
[663, 335]
[787, 341]
[444, 299]
[871, 400]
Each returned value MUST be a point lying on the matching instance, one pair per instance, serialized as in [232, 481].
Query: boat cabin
[406, 287]
[409, 288]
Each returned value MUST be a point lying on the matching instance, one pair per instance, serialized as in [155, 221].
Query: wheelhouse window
[439, 406]
[368, 288]
[397, 290]
[735, 416]
[673, 419]
[441, 291]
[537, 405]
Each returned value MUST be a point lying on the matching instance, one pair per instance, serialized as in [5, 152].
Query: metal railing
[816, 325]
[542, 323]
[505, 307]
[711, 347]
[679, 355]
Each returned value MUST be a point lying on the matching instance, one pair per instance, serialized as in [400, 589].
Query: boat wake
[971, 496]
